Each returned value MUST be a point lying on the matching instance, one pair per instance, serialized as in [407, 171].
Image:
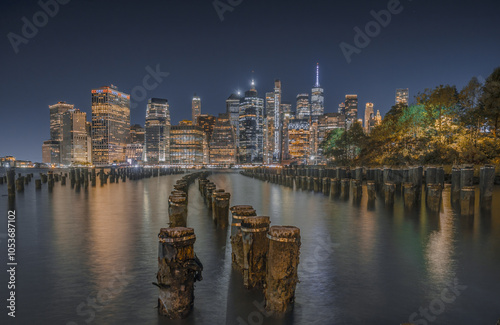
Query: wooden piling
[239, 213]
[344, 188]
[178, 269]
[282, 264]
[389, 189]
[177, 211]
[433, 197]
[467, 200]
[222, 209]
[371, 189]
[486, 183]
[255, 247]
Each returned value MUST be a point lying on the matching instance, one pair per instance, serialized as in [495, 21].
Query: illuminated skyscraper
[402, 96]
[299, 137]
[207, 123]
[351, 109]
[369, 116]
[51, 152]
[223, 142]
[303, 107]
[74, 138]
[317, 98]
[196, 107]
[56, 122]
[186, 144]
[110, 125]
[157, 131]
[273, 119]
[251, 139]
[233, 110]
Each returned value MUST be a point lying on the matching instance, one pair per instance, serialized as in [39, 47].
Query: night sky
[91, 43]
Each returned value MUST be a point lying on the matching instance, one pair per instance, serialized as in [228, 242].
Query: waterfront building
[110, 125]
[369, 117]
[137, 134]
[233, 111]
[223, 142]
[74, 142]
[51, 152]
[299, 134]
[157, 131]
[186, 144]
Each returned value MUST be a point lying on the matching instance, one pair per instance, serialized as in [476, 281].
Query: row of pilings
[80, 177]
[412, 183]
[178, 266]
[266, 256]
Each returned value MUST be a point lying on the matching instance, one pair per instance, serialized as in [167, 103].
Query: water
[359, 265]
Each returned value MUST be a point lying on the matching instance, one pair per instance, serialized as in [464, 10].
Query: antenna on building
[253, 81]
[317, 75]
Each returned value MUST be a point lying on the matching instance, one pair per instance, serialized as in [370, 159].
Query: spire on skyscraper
[317, 75]
[253, 81]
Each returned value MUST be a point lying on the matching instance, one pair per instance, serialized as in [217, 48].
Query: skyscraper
[251, 127]
[157, 131]
[351, 109]
[273, 118]
[303, 109]
[110, 125]
[233, 110]
[402, 96]
[196, 107]
[223, 142]
[74, 138]
[299, 137]
[186, 144]
[317, 98]
[369, 116]
[56, 119]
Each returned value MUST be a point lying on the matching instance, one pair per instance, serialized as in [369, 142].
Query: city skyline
[399, 56]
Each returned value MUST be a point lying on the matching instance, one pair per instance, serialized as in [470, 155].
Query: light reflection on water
[385, 264]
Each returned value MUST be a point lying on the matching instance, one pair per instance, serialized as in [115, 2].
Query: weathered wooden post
[255, 247]
[357, 190]
[20, 184]
[326, 185]
[372, 190]
[467, 200]
[239, 213]
[315, 181]
[178, 269]
[214, 210]
[11, 181]
[177, 211]
[344, 188]
[222, 209]
[430, 175]
[38, 184]
[486, 182]
[433, 197]
[455, 185]
[409, 193]
[466, 177]
[389, 189]
[282, 264]
[334, 187]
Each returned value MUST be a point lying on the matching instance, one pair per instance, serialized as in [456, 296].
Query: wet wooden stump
[372, 190]
[315, 182]
[409, 195]
[255, 247]
[178, 269]
[239, 213]
[389, 189]
[467, 200]
[177, 211]
[433, 197]
[334, 187]
[357, 190]
[344, 188]
[282, 264]
[221, 207]
[455, 185]
[486, 183]
[38, 184]
[326, 185]
[214, 210]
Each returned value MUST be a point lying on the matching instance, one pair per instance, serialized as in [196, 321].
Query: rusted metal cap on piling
[255, 224]
[284, 234]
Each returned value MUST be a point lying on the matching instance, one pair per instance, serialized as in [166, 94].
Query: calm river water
[359, 264]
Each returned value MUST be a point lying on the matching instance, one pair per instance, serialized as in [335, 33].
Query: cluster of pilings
[386, 182]
[80, 177]
[267, 257]
[178, 266]
[217, 201]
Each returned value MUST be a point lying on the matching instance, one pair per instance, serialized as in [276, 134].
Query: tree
[490, 101]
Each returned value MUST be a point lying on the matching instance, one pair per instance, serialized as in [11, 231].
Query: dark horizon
[90, 44]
